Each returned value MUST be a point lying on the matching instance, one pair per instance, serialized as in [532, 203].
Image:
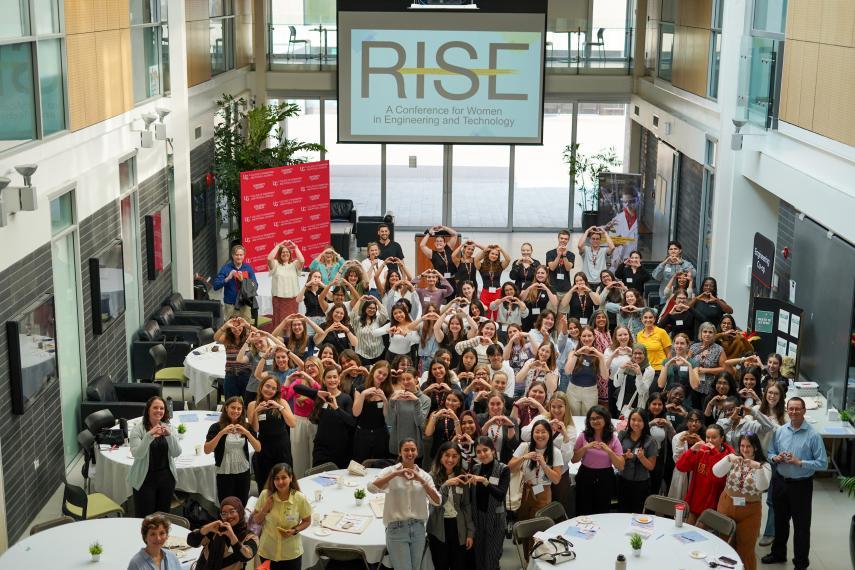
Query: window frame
[158, 21]
[229, 36]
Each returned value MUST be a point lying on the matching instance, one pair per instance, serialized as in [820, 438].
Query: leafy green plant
[635, 541]
[585, 169]
[846, 415]
[182, 429]
[251, 138]
[359, 494]
[95, 548]
[847, 484]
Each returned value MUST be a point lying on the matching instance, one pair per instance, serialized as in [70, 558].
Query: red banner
[286, 202]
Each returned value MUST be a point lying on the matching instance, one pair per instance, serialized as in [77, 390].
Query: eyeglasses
[224, 514]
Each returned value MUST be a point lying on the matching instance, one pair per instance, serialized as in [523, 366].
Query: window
[32, 103]
[669, 11]
[354, 168]
[666, 50]
[770, 15]
[222, 29]
[148, 30]
[62, 212]
[715, 49]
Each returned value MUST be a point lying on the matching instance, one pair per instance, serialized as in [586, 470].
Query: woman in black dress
[489, 480]
[271, 418]
[371, 439]
[334, 417]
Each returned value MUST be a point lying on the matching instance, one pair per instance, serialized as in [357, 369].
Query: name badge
[291, 518]
[458, 490]
[341, 335]
[262, 417]
[269, 362]
[583, 321]
[325, 406]
[679, 323]
[426, 299]
[738, 501]
[535, 311]
[492, 289]
[537, 489]
[628, 279]
[586, 363]
[503, 327]
[684, 369]
[493, 480]
[446, 275]
[380, 405]
[559, 276]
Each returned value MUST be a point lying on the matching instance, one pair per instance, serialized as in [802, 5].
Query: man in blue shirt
[229, 279]
[797, 452]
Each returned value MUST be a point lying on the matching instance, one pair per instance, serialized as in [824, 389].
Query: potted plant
[248, 138]
[635, 542]
[95, 550]
[182, 429]
[359, 495]
[585, 170]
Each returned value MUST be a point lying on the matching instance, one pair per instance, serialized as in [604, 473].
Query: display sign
[762, 262]
[285, 203]
[618, 211]
[778, 324]
[441, 77]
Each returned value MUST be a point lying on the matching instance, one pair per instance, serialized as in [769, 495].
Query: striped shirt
[369, 345]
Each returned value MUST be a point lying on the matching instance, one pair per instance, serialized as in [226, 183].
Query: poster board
[779, 325]
[762, 267]
[619, 211]
[287, 202]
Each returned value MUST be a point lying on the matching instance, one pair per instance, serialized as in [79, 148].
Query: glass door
[67, 303]
[414, 184]
[480, 178]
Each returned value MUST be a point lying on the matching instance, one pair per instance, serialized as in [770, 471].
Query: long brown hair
[297, 343]
[224, 416]
[276, 470]
[427, 325]
[164, 419]
[386, 385]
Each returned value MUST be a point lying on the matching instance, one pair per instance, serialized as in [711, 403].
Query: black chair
[87, 445]
[342, 225]
[99, 421]
[377, 463]
[177, 340]
[206, 336]
[166, 316]
[124, 399]
[179, 303]
[366, 228]
[322, 468]
[164, 373]
[81, 506]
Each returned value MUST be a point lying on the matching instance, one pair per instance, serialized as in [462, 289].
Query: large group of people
[464, 382]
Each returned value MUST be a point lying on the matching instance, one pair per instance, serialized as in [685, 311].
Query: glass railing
[759, 87]
[603, 50]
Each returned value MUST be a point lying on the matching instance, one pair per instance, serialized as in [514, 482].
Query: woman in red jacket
[704, 487]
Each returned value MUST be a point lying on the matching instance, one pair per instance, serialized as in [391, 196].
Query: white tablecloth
[67, 546]
[196, 473]
[660, 551]
[201, 367]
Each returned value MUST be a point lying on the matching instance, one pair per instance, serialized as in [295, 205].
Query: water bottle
[678, 515]
[620, 563]
[123, 425]
[169, 405]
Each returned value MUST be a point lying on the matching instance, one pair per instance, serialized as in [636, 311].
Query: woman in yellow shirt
[283, 511]
[655, 339]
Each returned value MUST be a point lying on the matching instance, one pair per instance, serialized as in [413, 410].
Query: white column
[179, 130]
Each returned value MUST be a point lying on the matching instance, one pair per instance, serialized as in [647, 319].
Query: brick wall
[205, 243]
[153, 196]
[106, 353]
[37, 434]
[689, 207]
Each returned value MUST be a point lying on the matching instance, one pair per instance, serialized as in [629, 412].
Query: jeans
[405, 541]
[769, 530]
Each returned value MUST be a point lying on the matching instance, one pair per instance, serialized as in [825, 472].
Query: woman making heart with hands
[586, 365]
[600, 452]
[229, 440]
[450, 527]
[270, 416]
[226, 542]
[371, 439]
[501, 429]
[444, 423]
[470, 431]
[529, 406]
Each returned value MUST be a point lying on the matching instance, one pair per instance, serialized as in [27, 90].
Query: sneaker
[766, 540]
[772, 559]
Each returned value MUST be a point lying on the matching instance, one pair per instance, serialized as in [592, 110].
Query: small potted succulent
[635, 542]
[95, 550]
[359, 495]
[182, 429]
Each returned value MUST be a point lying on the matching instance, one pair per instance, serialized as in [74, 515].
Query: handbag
[554, 550]
[513, 500]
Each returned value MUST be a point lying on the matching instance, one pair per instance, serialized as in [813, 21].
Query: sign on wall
[762, 263]
[285, 203]
[619, 207]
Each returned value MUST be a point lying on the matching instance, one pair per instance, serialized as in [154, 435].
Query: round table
[201, 367]
[196, 473]
[659, 551]
[372, 540]
[67, 546]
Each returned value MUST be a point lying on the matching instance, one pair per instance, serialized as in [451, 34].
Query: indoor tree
[246, 138]
[585, 169]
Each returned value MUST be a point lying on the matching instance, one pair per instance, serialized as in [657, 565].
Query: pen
[658, 537]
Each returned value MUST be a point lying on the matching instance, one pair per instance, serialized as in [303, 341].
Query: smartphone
[727, 560]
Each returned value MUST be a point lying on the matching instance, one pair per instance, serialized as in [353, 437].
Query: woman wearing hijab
[227, 543]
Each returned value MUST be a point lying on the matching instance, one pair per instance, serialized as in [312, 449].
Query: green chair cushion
[170, 374]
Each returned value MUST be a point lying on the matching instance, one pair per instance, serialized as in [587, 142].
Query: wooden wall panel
[79, 16]
[804, 19]
[798, 83]
[108, 45]
[127, 70]
[834, 114]
[838, 23]
[198, 52]
[195, 10]
[243, 32]
[694, 13]
[83, 91]
[691, 61]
